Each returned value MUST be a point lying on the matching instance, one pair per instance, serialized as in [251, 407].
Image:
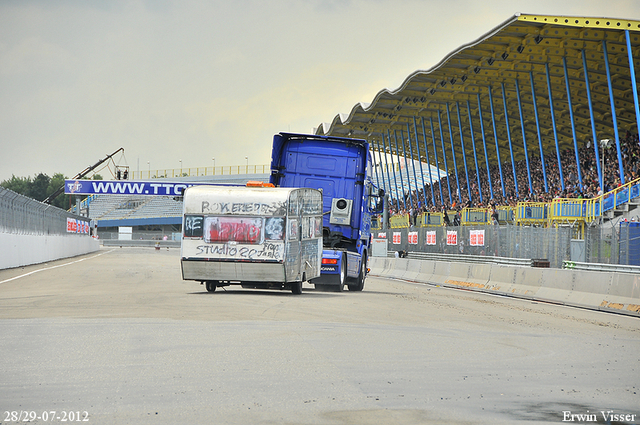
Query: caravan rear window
[239, 229]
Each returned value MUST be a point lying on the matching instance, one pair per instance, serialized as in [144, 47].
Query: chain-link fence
[143, 236]
[552, 244]
[607, 244]
[613, 244]
[22, 215]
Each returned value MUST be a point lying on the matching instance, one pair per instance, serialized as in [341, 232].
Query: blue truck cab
[340, 168]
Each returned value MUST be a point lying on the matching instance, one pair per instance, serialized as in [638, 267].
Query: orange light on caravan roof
[254, 183]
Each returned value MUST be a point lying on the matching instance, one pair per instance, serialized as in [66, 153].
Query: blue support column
[535, 111]
[393, 168]
[406, 166]
[634, 83]
[426, 150]
[424, 192]
[464, 155]
[495, 135]
[453, 153]
[375, 166]
[475, 155]
[484, 143]
[435, 154]
[614, 117]
[596, 142]
[404, 198]
[506, 120]
[573, 123]
[553, 123]
[524, 137]
[444, 156]
[413, 162]
[384, 185]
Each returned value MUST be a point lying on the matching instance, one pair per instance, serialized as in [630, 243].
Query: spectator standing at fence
[445, 216]
[494, 214]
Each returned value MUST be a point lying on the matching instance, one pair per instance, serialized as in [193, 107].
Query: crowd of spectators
[414, 202]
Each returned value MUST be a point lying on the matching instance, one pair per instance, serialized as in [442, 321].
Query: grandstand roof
[506, 60]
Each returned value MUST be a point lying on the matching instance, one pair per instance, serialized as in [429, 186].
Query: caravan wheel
[211, 285]
[296, 287]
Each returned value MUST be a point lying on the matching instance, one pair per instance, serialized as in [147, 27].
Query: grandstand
[539, 108]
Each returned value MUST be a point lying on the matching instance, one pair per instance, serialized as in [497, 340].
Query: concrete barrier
[604, 291]
[18, 250]
[441, 271]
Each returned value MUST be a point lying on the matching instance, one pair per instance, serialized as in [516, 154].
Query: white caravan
[256, 236]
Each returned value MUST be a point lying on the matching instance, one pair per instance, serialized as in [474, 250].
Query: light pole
[247, 159]
[149, 165]
[214, 165]
[180, 168]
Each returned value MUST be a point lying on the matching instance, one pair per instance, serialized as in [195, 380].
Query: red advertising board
[476, 237]
[431, 237]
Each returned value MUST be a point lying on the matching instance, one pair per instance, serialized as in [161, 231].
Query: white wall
[22, 250]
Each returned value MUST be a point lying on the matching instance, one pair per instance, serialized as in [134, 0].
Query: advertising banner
[413, 238]
[120, 187]
[431, 237]
[397, 238]
[476, 237]
[452, 237]
[77, 226]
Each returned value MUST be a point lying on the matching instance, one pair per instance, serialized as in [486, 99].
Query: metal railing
[399, 221]
[531, 213]
[430, 219]
[475, 216]
[200, 171]
[596, 207]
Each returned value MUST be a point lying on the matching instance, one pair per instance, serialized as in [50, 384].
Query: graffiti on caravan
[266, 251]
[251, 208]
[118, 187]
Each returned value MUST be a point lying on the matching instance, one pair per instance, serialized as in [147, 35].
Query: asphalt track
[118, 335]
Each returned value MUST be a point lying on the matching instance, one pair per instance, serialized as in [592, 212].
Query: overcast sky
[173, 80]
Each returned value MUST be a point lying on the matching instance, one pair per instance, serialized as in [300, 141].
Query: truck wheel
[211, 285]
[359, 285]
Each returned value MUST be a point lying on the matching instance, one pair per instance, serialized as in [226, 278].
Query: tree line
[41, 186]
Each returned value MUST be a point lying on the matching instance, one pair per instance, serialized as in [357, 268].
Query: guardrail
[600, 267]
[524, 262]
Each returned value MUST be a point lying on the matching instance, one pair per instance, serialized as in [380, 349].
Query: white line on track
[54, 267]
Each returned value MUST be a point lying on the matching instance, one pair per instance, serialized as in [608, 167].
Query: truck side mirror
[376, 204]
